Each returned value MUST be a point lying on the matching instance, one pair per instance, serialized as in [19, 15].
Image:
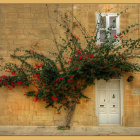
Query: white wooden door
[108, 102]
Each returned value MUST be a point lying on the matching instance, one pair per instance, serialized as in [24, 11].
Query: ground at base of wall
[74, 131]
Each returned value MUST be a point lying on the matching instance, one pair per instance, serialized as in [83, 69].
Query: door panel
[114, 119]
[102, 118]
[108, 102]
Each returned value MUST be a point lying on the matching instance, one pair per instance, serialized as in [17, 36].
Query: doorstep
[74, 131]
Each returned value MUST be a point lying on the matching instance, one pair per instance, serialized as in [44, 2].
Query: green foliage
[61, 128]
[60, 85]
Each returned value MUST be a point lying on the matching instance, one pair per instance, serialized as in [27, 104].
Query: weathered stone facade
[24, 25]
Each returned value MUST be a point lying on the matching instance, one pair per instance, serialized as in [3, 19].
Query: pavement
[74, 131]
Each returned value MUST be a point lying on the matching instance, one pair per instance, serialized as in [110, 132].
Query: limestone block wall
[28, 26]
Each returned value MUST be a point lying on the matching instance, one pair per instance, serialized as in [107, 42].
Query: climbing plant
[60, 82]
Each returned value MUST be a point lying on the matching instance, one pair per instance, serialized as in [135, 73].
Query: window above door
[106, 22]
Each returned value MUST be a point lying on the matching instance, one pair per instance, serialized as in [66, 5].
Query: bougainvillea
[60, 83]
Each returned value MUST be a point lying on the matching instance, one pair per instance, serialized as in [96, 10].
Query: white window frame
[108, 15]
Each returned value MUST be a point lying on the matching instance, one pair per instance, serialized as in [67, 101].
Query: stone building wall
[28, 26]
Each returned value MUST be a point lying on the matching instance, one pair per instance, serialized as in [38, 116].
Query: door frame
[121, 99]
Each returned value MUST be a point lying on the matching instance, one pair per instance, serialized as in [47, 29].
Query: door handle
[113, 105]
[101, 105]
[113, 96]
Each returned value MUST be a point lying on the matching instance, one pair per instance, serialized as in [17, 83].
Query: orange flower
[58, 112]
[77, 38]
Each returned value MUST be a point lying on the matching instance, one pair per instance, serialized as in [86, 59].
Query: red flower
[71, 76]
[61, 78]
[117, 69]
[57, 79]
[101, 68]
[118, 35]
[36, 65]
[31, 51]
[38, 75]
[5, 83]
[77, 38]
[13, 73]
[72, 87]
[68, 80]
[76, 68]
[65, 97]
[94, 72]
[114, 66]
[6, 70]
[0, 80]
[46, 100]
[34, 76]
[54, 83]
[24, 86]
[9, 88]
[80, 58]
[53, 98]
[36, 98]
[76, 95]
[78, 101]
[70, 60]
[18, 83]
[36, 93]
[79, 51]
[91, 55]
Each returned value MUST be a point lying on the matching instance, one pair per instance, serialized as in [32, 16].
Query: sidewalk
[74, 131]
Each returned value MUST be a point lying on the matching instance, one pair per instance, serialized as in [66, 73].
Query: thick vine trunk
[69, 115]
